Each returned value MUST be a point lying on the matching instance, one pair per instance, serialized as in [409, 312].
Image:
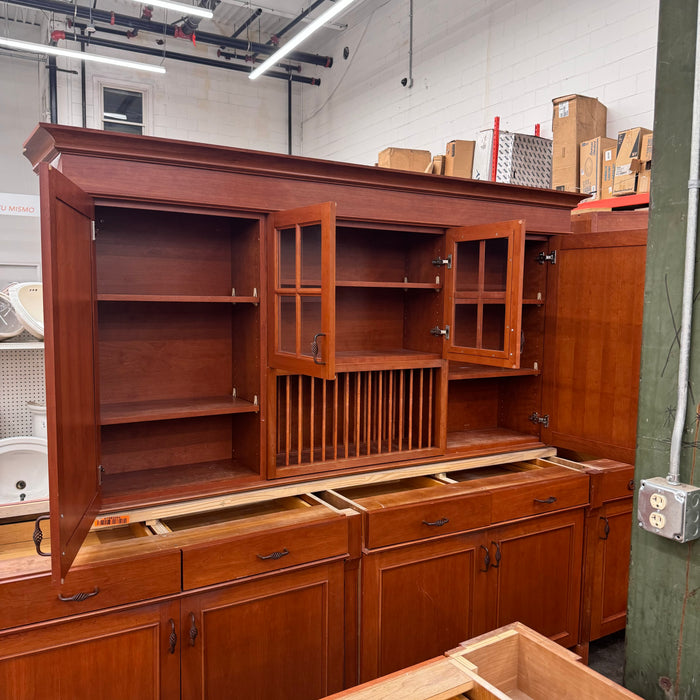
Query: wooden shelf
[174, 483]
[168, 409]
[179, 298]
[489, 441]
[463, 370]
[388, 285]
[385, 359]
[533, 302]
[29, 345]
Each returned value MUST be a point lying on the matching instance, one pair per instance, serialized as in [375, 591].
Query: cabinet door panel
[281, 637]
[68, 271]
[111, 657]
[484, 292]
[539, 575]
[302, 290]
[417, 602]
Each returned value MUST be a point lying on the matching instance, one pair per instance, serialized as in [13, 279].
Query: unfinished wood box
[510, 662]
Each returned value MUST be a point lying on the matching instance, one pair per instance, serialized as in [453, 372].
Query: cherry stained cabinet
[277, 638]
[133, 653]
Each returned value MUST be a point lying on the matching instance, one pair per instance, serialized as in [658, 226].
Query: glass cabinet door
[484, 293]
[302, 285]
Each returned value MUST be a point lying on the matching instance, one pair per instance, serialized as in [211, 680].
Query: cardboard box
[404, 159]
[644, 174]
[592, 165]
[629, 145]
[608, 177]
[438, 165]
[522, 159]
[576, 119]
[459, 158]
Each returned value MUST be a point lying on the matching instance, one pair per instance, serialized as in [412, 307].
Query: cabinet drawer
[266, 550]
[34, 598]
[422, 520]
[539, 496]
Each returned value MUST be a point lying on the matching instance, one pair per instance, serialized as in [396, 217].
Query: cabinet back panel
[150, 351]
[152, 252]
[519, 398]
[386, 256]
[142, 446]
[472, 404]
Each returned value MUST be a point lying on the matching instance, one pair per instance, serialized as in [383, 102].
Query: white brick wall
[474, 60]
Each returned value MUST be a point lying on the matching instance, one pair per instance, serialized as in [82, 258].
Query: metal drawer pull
[314, 348]
[437, 523]
[487, 557]
[38, 536]
[172, 638]
[551, 499]
[274, 555]
[79, 596]
[606, 529]
[193, 630]
[497, 557]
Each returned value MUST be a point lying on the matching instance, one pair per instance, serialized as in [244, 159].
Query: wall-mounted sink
[24, 471]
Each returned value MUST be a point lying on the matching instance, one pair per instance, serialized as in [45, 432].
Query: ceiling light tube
[327, 16]
[79, 55]
[182, 7]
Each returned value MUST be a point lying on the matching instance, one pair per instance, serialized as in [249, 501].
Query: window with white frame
[123, 110]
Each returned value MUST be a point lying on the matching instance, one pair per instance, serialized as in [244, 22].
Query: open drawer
[414, 509]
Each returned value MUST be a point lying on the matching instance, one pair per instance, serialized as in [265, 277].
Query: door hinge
[542, 258]
[537, 418]
[443, 261]
[93, 229]
[440, 331]
[100, 472]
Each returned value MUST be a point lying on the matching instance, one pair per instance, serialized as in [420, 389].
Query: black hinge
[537, 418]
[441, 332]
[542, 258]
[100, 472]
[443, 261]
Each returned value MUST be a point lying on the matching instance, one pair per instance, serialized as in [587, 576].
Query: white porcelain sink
[24, 470]
[28, 303]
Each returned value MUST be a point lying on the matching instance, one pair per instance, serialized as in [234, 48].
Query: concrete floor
[607, 656]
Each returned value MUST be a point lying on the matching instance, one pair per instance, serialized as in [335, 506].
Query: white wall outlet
[669, 510]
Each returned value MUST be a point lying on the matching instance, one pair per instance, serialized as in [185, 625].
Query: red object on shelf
[494, 153]
[537, 129]
[626, 202]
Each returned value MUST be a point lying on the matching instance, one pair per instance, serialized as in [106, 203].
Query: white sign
[19, 204]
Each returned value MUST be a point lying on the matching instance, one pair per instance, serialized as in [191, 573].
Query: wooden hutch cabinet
[307, 412]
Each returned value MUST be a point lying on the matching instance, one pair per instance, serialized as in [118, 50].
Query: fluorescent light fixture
[79, 55]
[115, 115]
[327, 16]
[182, 7]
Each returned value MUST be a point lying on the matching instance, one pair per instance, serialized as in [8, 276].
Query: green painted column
[663, 632]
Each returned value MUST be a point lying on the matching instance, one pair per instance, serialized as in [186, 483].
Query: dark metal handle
[630, 485]
[172, 638]
[193, 629]
[314, 348]
[551, 499]
[79, 596]
[606, 529]
[437, 523]
[38, 536]
[487, 558]
[497, 557]
[274, 555]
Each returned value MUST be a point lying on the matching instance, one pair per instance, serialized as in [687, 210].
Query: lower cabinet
[421, 598]
[112, 656]
[276, 638]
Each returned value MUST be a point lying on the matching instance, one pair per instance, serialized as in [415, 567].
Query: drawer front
[419, 521]
[34, 599]
[618, 483]
[523, 500]
[259, 553]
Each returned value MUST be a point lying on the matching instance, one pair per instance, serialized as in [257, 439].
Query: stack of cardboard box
[457, 161]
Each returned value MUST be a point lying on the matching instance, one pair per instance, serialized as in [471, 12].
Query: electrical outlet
[680, 503]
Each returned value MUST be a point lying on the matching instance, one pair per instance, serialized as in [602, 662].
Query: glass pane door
[302, 276]
[484, 293]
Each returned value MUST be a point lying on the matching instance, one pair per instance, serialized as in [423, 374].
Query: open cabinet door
[483, 303]
[593, 338]
[302, 291]
[67, 214]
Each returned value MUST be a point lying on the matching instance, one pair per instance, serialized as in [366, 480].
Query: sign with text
[19, 204]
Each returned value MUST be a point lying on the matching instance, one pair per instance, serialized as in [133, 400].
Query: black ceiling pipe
[228, 56]
[298, 19]
[247, 23]
[83, 12]
[148, 51]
